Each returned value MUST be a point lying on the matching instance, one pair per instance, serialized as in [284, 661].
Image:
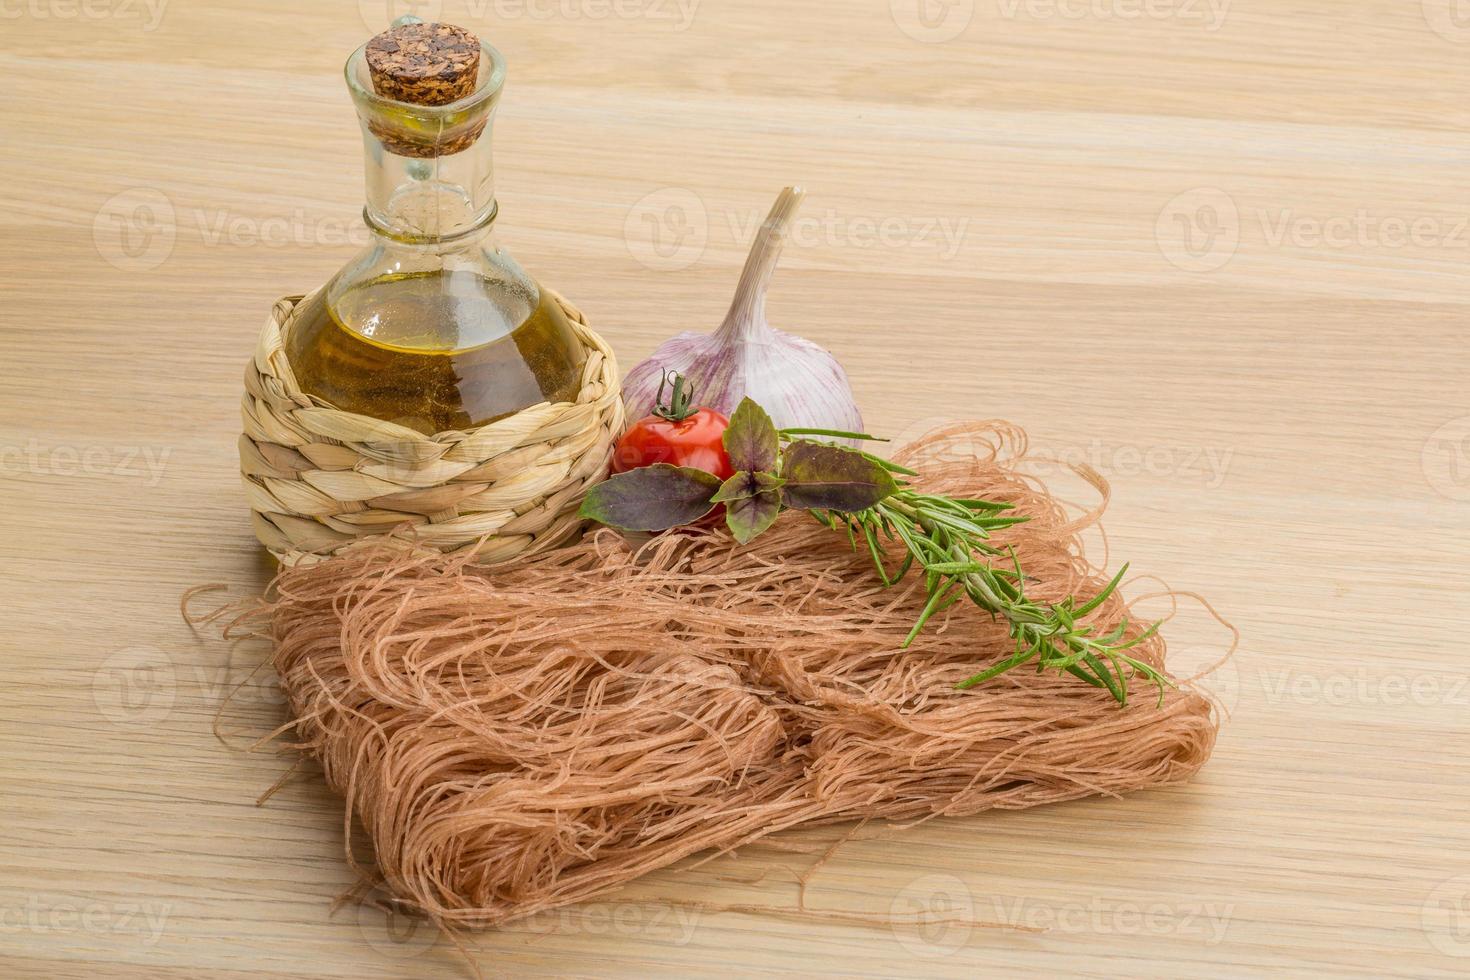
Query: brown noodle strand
[518, 738]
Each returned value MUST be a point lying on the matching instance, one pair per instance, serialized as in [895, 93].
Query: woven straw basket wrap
[321, 480]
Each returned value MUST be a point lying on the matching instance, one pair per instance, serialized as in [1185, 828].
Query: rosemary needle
[950, 540]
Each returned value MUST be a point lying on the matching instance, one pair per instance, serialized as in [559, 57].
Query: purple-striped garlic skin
[800, 384]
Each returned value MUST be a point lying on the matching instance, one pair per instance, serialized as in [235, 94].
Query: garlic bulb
[798, 383]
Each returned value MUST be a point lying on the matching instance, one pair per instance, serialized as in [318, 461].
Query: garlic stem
[748, 309]
[796, 381]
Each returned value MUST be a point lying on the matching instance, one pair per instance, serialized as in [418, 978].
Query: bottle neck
[429, 200]
[429, 170]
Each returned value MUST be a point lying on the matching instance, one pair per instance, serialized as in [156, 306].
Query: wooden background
[1219, 250]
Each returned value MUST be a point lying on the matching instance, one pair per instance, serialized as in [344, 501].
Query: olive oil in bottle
[433, 326]
[383, 350]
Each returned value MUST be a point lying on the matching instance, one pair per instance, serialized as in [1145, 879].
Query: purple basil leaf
[742, 486]
[749, 516]
[822, 477]
[652, 498]
[751, 440]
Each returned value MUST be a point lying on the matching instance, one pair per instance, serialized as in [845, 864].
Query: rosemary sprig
[863, 494]
[950, 540]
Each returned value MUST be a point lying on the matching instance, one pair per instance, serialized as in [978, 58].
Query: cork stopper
[425, 64]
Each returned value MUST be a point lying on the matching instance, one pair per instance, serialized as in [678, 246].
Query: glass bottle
[434, 325]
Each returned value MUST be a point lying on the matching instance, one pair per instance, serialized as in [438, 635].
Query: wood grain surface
[1216, 249]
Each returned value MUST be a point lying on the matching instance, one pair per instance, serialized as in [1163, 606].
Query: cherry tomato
[679, 434]
[695, 441]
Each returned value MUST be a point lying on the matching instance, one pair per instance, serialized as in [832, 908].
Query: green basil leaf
[749, 516]
[751, 440]
[652, 498]
[823, 477]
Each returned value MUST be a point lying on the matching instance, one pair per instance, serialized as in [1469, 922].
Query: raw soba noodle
[521, 737]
